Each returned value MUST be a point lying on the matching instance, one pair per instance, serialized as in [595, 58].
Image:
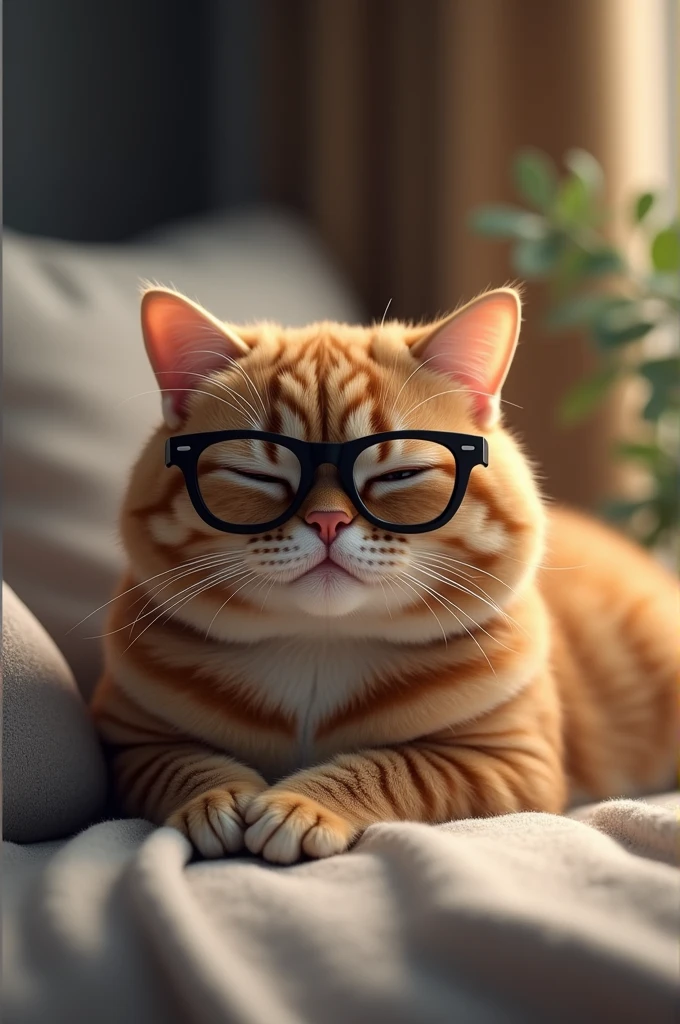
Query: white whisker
[431, 610]
[387, 381]
[433, 563]
[174, 568]
[482, 596]
[419, 367]
[469, 565]
[193, 391]
[171, 609]
[417, 568]
[230, 561]
[236, 364]
[432, 556]
[222, 606]
[271, 577]
[198, 587]
[244, 402]
[382, 587]
[445, 604]
[555, 568]
[478, 597]
[181, 601]
[457, 391]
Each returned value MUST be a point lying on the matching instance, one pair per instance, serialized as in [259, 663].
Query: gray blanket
[517, 919]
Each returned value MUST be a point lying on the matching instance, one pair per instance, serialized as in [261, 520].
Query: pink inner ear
[476, 347]
[183, 342]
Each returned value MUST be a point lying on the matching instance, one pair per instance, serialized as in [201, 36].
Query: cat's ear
[183, 341]
[476, 345]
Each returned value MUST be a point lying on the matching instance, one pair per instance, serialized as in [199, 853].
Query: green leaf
[667, 369]
[666, 249]
[621, 511]
[667, 498]
[582, 400]
[644, 452]
[535, 178]
[572, 204]
[577, 203]
[569, 272]
[536, 258]
[665, 287]
[621, 323]
[664, 377]
[606, 260]
[580, 311]
[610, 337]
[643, 205]
[650, 538]
[504, 221]
[586, 168]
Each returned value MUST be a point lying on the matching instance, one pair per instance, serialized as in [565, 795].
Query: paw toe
[259, 833]
[211, 822]
[323, 841]
[283, 826]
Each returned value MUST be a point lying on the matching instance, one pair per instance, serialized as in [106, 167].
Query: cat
[281, 691]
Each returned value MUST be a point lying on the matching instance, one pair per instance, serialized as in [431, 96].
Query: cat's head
[327, 570]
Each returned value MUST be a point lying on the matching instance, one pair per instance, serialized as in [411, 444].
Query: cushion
[80, 397]
[54, 777]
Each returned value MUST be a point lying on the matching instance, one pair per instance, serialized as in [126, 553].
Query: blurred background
[379, 129]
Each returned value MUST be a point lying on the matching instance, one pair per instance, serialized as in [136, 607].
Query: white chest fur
[309, 680]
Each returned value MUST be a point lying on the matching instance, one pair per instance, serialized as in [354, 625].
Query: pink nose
[328, 523]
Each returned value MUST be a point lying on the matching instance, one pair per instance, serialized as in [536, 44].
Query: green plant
[559, 237]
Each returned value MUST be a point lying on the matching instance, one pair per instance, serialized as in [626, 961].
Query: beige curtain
[389, 120]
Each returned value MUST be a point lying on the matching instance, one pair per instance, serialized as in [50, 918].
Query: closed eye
[398, 474]
[262, 477]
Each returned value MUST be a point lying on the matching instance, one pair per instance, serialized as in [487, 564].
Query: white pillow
[74, 369]
[53, 770]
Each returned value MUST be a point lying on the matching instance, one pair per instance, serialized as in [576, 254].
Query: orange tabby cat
[284, 690]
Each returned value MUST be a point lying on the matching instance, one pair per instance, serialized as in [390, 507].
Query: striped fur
[512, 660]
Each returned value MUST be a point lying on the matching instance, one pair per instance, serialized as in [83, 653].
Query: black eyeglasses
[404, 481]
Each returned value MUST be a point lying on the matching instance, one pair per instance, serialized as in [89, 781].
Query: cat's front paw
[282, 826]
[213, 822]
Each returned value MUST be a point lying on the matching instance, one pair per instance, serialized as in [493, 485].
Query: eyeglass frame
[468, 450]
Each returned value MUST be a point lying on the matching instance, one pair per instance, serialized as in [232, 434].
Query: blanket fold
[524, 918]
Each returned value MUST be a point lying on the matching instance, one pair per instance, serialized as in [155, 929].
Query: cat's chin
[324, 593]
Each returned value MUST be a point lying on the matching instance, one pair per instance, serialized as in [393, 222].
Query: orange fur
[512, 660]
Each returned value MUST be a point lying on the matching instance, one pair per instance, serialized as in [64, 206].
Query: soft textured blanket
[517, 919]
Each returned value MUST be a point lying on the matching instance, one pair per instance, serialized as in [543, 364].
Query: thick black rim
[468, 450]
